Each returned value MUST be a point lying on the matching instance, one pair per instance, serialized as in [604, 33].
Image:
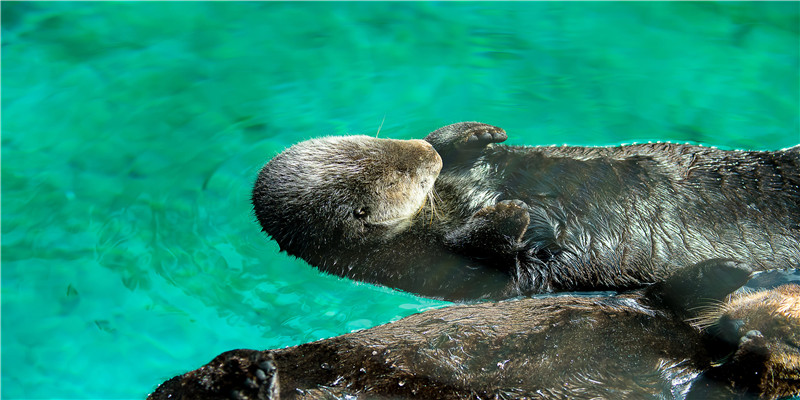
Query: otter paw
[504, 207]
[260, 378]
[480, 135]
[507, 217]
[464, 136]
[236, 375]
[730, 274]
[690, 287]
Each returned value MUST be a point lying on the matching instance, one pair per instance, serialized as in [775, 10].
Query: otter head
[764, 326]
[329, 199]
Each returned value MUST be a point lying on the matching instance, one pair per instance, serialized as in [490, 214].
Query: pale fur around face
[781, 302]
[324, 190]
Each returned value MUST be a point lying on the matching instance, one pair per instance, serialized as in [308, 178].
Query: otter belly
[611, 218]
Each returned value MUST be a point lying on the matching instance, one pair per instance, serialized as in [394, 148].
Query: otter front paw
[687, 289]
[465, 135]
[492, 231]
[509, 218]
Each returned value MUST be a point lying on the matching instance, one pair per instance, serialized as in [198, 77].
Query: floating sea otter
[631, 346]
[458, 216]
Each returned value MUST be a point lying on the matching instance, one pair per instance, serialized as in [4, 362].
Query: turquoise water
[132, 132]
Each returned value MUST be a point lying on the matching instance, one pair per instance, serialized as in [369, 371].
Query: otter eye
[360, 212]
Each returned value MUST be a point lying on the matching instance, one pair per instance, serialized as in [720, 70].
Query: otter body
[466, 218]
[632, 346]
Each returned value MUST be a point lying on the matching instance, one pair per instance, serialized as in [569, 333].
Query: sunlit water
[132, 132]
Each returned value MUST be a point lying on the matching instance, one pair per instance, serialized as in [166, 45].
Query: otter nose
[423, 156]
[412, 156]
[425, 151]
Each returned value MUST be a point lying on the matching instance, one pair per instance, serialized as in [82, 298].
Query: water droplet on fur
[325, 366]
[401, 383]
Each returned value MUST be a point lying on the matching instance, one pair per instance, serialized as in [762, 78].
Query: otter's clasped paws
[465, 136]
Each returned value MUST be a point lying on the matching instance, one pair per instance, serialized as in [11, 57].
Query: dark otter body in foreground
[467, 218]
[634, 346]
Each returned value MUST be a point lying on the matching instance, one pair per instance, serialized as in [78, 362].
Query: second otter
[631, 346]
[458, 216]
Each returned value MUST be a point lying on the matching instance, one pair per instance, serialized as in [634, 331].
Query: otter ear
[698, 285]
[465, 136]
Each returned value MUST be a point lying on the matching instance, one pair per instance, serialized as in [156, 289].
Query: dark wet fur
[633, 346]
[617, 217]
[611, 218]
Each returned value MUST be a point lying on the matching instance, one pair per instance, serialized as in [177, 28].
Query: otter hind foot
[483, 134]
[235, 375]
[465, 136]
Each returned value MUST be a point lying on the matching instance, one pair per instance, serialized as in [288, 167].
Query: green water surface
[132, 133]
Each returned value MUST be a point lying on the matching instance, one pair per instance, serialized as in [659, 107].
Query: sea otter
[459, 216]
[647, 344]
[766, 360]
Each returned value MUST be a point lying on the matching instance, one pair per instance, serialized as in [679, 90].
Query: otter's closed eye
[360, 212]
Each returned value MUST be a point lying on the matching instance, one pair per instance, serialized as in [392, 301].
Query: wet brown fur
[512, 221]
[767, 328]
[619, 347]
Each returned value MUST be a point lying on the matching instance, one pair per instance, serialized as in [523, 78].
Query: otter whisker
[433, 197]
[707, 314]
[430, 202]
[433, 208]
[419, 210]
[379, 128]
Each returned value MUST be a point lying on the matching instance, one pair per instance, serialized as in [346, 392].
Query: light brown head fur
[767, 326]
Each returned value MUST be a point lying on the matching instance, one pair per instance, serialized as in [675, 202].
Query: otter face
[765, 326]
[322, 197]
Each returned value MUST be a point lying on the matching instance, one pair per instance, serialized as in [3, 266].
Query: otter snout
[421, 157]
